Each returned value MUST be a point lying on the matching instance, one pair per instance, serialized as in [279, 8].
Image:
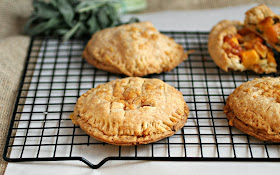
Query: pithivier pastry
[254, 108]
[131, 111]
[233, 47]
[262, 21]
[135, 49]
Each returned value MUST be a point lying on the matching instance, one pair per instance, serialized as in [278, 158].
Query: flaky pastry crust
[215, 43]
[254, 108]
[135, 49]
[131, 111]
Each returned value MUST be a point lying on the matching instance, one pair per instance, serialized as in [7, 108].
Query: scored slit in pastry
[262, 21]
[233, 47]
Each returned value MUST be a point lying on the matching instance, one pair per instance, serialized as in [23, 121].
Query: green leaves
[66, 11]
[44, 10]
[44, 27]
[73, 18]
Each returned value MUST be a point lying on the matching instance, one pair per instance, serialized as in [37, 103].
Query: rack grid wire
[55, 76]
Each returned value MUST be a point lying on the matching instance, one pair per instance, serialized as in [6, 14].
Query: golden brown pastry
[135, 49]
[232, 47]
[131, 111]
[262, 21]
[254, 108]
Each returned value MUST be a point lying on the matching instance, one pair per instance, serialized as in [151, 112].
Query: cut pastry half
[262, 21]
[233, 47]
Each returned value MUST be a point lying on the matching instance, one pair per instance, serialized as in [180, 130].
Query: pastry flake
[233, 47]
[131, 111]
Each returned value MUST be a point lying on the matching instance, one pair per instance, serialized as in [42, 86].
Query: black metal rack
[41, 130]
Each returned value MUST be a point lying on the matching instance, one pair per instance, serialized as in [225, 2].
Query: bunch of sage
[74, 18]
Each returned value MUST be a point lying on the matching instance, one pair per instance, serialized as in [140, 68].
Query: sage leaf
[60, 32]
[27, 25]
[54, 3]
[80, 31]
[89, 5]
[84, 16]
[44, 10]
[102, 18]
[71, 32]
[42, 27]
[74, 3]
[92, 23]
[66, 10]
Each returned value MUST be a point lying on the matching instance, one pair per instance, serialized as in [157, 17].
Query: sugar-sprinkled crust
[131, 111]
[135, 49]
[254, 108]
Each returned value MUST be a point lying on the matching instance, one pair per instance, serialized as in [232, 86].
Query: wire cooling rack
[53, 80]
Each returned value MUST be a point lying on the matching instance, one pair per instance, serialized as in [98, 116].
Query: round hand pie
[254, 108]
[131, 111]
[135, 49]
[262, 21]
[233, 47]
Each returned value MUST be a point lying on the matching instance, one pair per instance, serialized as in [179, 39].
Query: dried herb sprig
[74, 18]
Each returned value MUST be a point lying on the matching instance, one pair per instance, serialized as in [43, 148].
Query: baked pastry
[262, 21]
[135, 49]
[233, 47]
[131, 111]
[254, 108]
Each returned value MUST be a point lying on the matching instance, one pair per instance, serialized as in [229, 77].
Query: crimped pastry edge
[237, 123]
[131, 140]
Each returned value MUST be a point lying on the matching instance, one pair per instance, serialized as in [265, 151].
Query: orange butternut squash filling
[270, 28]
[250, 52]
